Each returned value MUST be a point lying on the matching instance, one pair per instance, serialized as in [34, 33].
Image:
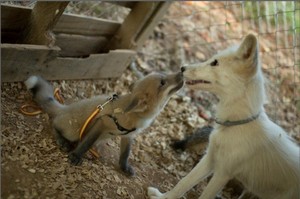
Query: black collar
[121, 128]
[238, 122]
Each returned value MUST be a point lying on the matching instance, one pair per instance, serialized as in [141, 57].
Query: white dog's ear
[248, 48]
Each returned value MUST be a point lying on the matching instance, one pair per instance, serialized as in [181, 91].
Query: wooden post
[138, 25]
[43, 18]
[127, 4]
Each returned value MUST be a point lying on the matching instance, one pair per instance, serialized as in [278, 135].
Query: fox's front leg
[124, 155]
[92, 135]
[199, 172]
[62, 142]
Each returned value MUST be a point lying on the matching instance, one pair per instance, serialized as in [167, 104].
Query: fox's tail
[201, 135]
[43, 94]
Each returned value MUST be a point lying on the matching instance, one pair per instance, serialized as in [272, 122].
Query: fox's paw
[64, 146]
[128, 170]
[74, 159]
[179, 145]
[154, 193]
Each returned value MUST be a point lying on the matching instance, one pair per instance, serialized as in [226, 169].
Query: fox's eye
[214, 63]
[162, 82]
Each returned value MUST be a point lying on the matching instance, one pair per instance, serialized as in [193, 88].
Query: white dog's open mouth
[192, 82]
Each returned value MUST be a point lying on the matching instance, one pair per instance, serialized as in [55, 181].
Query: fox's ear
[138, 104]
[248, 48]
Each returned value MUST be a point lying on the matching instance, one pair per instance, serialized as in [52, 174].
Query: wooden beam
[127, 4]
[79, 45]
[18, 61]
[13, 22]
[82, 25]
[150, 24]
[14, 19]
[43, 18]
[138, 25]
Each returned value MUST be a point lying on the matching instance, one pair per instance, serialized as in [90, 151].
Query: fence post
[43, 18]
[138, 25]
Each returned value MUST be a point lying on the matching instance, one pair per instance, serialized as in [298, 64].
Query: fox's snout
[179, 77]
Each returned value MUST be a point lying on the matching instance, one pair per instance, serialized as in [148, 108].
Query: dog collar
[238, 122]
[121, 128]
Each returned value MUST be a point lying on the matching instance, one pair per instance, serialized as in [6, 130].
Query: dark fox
[124, 116]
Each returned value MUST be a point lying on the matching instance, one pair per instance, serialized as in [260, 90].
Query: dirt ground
[32, 166]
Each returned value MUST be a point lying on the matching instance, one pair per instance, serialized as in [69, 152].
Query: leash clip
[101, 106]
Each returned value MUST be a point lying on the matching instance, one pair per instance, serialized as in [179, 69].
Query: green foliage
[274, 10]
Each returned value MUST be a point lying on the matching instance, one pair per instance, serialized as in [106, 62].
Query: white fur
[259, 154]
[31, 82]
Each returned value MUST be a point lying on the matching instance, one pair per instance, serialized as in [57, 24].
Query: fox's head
[151, 93]
[226, 71]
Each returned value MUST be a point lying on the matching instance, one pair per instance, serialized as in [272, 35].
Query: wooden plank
[43, 18]
[14, 57]
[109, 65]
[19, 61]
[138, 25]
[150, 24]
[14, 19]
[13, 22]
[127, 4]
[78, 45]
[82, 25]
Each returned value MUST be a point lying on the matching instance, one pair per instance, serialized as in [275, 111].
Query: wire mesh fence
[193, 31]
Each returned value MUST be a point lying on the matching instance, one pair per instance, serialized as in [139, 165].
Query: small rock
[11, 196]
[32, 170]
[42, 170]
[19, 85]
[186, 99]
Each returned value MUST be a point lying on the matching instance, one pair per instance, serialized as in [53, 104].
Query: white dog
[245, 144]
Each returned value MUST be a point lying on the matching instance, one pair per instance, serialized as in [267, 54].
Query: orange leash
[37, 110]
[88, 121]
[58, 96]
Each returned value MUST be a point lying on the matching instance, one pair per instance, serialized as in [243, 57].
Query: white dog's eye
[214, 63]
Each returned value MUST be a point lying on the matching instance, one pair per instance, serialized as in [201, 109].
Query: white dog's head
[225, 71]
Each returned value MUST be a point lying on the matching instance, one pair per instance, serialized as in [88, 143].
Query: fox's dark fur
[201, 135]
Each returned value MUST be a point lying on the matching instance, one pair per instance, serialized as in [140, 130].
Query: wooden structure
[47, 42]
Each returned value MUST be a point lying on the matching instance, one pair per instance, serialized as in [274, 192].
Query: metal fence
[193, 31]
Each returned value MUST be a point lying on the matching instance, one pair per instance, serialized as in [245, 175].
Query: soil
[33, 166]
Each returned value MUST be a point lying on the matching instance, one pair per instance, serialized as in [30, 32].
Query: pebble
[32, 170]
